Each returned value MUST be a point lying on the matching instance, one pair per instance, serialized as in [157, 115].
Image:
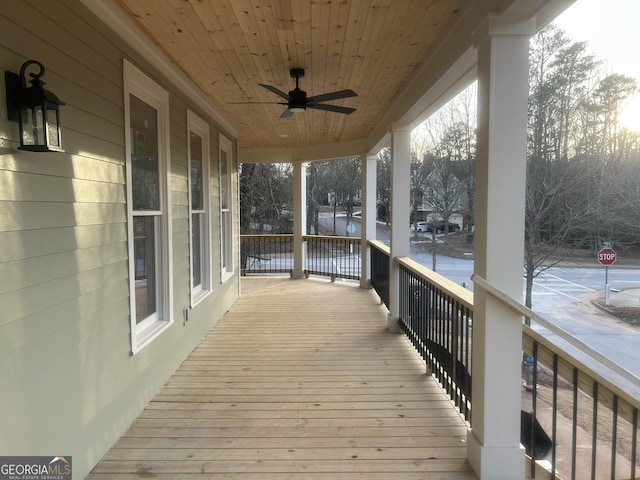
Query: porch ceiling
[391, 52]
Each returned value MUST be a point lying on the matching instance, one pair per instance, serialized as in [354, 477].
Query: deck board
[301, 379]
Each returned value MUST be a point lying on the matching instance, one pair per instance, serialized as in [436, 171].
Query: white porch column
[494, 449]
[400, 202]
[299, 218]
[368, 218]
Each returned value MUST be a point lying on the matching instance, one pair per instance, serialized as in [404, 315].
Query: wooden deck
[300, 380]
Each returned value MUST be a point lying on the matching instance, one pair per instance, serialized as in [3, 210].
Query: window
[226, 231]
[147, 160]
[198, 151]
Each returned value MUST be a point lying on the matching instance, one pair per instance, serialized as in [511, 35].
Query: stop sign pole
[607, 256]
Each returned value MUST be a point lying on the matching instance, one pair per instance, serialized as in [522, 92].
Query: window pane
[196, 239]
[145, 265]
[195, 143]
[224, 225]
[144, 155]
[224, 194]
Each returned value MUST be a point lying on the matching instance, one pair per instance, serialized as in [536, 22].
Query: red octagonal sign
[607, 256]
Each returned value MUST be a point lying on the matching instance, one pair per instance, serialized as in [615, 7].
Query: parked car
[439, 227]
[453, 227]
[421, 227]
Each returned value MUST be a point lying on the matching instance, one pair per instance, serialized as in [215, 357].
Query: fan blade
[276, 91]
[333, 96]
[286, 114]
[257, 103]
[332, 108]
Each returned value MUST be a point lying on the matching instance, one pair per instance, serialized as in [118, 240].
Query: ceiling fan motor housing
[297, 100]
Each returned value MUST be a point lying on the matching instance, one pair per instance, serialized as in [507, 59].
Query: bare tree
[559, 79]
[337, 182]
[265, 198]
[383, 185]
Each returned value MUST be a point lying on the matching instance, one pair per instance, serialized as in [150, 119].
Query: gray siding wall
[68, 382]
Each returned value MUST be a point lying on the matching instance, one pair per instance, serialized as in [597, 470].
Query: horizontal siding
[38, 270]
[78, 167]
[32, 215]
[85, 78]
[98, 310]
[23, 244]
[19, 187]
[94, 329]
[49, 23]
[68, 380]
[38, 297]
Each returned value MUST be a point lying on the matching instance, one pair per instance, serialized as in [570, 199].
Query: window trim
[226, 245]
[198, 126]
[144, 88]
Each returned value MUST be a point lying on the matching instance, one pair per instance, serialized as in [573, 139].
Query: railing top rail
[575, 342]
[380, 246]
[332, 237]
[460, 293]
[267, 235]
[306, 237]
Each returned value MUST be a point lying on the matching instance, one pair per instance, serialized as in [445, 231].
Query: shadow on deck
[300, 380]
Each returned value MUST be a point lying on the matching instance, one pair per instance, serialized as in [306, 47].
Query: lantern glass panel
[53, 132]
[32, 125]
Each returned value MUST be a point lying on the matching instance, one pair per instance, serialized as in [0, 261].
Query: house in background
[447, 191]
[118, 254]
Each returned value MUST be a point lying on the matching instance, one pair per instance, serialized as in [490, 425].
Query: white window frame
[226, 214]
[142, 87]
[200, 128]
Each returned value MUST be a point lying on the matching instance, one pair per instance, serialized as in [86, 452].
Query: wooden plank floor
[300, 380]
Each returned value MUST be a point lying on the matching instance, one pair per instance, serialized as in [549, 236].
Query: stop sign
[607, 256]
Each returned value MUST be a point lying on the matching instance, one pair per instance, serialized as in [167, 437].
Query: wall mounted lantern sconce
[37, 110]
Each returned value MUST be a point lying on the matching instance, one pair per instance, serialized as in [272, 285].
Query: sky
[611, 29]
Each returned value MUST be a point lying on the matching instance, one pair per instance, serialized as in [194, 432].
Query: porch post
[299, 218]
[368, 216]
[400, 201]
[494, 449]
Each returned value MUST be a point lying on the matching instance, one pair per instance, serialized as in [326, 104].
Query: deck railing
[380, 270]
[263, 254]
[334, 257]
[436, 315]
[576, 423]
[580, 424]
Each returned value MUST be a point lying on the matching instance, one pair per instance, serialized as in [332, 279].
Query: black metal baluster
[594, 439]
[554, 419]
[468, 326]
[534, 408]
[574, 432]
[614, 437]
[634, 443]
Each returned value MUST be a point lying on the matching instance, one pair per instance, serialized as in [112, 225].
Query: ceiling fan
[297, 100]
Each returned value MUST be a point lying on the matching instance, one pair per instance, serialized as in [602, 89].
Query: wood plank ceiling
[228, 47]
